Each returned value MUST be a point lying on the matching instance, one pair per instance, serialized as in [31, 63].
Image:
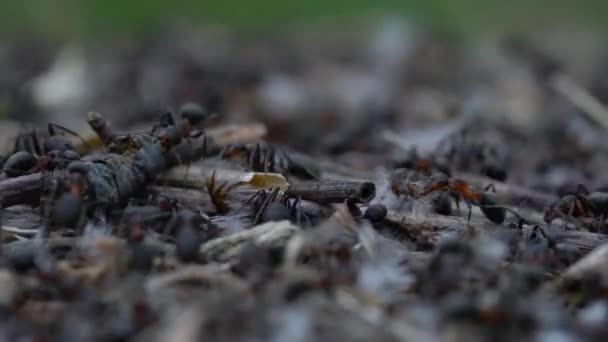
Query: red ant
[460, 190]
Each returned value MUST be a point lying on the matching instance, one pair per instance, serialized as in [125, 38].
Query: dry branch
[510, 194]
[267, 234]
[333, 191]
[442, 228]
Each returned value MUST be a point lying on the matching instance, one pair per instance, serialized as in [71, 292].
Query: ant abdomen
[490, 208]
[442, 203]
[19, 163]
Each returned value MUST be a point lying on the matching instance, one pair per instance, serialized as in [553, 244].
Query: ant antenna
[581, 190]
[52, 126]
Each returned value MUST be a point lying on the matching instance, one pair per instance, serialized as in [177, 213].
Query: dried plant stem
[510, 194]
[270, 234]
[442, 228]
[590, 106]
[333, 191]
[24, 189]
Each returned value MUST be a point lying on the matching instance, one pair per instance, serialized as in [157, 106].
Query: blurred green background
[73, 18]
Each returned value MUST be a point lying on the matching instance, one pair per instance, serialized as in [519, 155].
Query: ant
[579, 204]
[460, 190]
[30, 155]
[423, 165]
[68, 208]
[267, 158]
[267, 206]
[171, 132]
[465, 150]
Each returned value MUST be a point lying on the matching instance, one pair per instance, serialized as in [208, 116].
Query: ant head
[233, 151]
[581, 190]
[549, 214]
[136, 230]
[166, 119]
[165, 203]
[193, 113]
[170, 136]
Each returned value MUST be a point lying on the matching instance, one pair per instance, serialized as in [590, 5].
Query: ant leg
[250, 200]
[264, 205]
[580, 207]
[274, 194]
[37, 145]
[188, 161]
[582, 190]
[204, 146]
[269, 160]
[298, 212]
[457, 201]
[166, 119]
[30, 146]
[470, 207]
[294, 208]
[490, 186]
[255, 157]
[187, 170]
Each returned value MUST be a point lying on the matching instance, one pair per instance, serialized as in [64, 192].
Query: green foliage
[101, 17]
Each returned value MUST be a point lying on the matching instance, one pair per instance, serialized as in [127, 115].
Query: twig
[331, 170]
[510, 194]
[24, 189]
[588, 105]
[594, 262]
[442, 228]
[333, 191]
[19, 231]
[269, 234]
[20, 248]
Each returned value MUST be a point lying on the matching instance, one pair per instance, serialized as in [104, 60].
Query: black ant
[31, 155]
[266, 206]
[466, 151]
[267, 158]
[171, 132]
[68, 208]
[580, 204]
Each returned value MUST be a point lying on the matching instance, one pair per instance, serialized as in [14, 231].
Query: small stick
[550, 70]
[223, 249]
[244, 133]
[27, 247]
[590, 106]
[331, 169]
[24, 189]
[333, 191]
[19, 231]
[512, 194]
[444, 227]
